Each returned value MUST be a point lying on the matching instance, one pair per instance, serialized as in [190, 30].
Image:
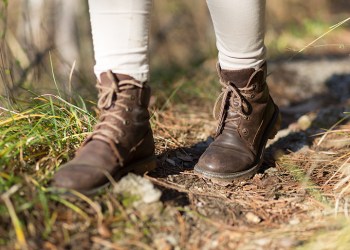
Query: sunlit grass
[49, 127]
[293, 37]
[33, 141]
[337, 236]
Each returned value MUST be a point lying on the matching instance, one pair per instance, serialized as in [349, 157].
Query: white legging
[120, 31]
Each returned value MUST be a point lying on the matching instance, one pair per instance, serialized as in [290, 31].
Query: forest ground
[299, 198]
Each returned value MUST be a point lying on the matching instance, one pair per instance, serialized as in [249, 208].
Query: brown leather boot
[121, 142]
[247, 118]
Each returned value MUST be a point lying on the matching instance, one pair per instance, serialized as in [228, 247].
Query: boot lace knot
[232, 99]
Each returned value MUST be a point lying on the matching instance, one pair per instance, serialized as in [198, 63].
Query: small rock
[294, 221]
[252, 218]
[172, 240]
[304, 122]
[271, 170]
[263, 242]
[288, 243]
[162, 244]
[138, 186]
[200, 204]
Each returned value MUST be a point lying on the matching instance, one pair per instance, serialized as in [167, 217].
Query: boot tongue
[109, 83]
[238, 77]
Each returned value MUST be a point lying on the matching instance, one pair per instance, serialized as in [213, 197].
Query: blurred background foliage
[41, 40]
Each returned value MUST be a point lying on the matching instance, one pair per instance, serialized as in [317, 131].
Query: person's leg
[122, 140]
[240, 29]
[120, 36]
[247, 115]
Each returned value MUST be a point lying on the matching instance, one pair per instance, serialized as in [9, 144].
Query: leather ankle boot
[121, 142]
[247, 118]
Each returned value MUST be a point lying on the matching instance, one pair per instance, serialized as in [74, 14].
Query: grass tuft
[48, 129]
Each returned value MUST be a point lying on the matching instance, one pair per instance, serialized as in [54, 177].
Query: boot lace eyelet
[245, 131]
[126, 122]
[254, 86]
[252, 96]
[128, 109]
[132, 97]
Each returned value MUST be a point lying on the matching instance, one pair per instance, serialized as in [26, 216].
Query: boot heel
[145, 167]
[276, 127]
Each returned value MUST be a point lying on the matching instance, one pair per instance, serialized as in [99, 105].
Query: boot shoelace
[107, 130]
[236, 99]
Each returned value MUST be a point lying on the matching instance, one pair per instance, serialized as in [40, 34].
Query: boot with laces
[121, 142]
[247, 118]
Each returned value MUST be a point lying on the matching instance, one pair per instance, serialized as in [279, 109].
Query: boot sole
[139, 168]
[221, 178]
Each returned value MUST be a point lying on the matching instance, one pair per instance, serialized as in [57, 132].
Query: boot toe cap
[222, 162]
[82, 178]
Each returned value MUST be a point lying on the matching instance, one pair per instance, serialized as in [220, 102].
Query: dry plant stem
[326, 133]
[119, 206]
[139, 244]
[183, 230]
[94, 205]
[15, 221]
[107, 244]
[324, 34]
[338, 170]
[181, 189]
[70, 82]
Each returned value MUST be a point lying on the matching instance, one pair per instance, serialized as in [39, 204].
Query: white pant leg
[240, 29]
[120, 36]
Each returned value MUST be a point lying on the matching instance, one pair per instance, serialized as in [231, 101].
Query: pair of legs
[120, 34]
[122, 141]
